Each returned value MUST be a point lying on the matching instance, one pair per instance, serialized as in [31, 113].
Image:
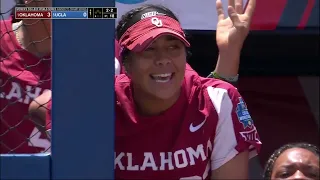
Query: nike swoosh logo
[196, 128]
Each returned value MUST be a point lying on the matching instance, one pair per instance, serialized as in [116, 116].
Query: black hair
[273, 158]
[19, 3]
[127, 20]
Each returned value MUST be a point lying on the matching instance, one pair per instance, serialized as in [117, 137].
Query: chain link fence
[25, 74]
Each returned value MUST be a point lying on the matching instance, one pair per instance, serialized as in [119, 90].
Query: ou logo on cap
[157, 22]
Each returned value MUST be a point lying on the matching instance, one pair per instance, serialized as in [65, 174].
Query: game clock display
[102, 13]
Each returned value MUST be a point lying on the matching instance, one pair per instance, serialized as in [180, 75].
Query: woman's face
[159, 70]
[296, 163]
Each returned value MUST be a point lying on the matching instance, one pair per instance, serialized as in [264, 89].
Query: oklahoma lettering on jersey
[22, 94]
[23, 78]
[168, 160]
[202, 131]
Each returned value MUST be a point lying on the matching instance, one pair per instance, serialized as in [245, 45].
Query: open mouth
[162, 78]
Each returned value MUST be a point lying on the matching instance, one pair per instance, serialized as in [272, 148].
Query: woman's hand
[233, 30]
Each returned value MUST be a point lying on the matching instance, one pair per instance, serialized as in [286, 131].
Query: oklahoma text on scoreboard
[65, 12]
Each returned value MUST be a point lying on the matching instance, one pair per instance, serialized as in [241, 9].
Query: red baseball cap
[146, 26]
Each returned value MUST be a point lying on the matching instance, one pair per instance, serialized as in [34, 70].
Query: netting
[25, 74]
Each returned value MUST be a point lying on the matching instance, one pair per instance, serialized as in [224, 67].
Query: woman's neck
[151, 106]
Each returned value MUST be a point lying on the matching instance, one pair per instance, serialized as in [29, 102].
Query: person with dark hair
[25, 70]
[231, 32]
[170, 122]
[230, 35]
[293, 161]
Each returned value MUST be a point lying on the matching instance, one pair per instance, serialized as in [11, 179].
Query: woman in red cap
[170, 122]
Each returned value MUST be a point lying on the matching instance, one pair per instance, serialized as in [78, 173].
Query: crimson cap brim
[145, 40]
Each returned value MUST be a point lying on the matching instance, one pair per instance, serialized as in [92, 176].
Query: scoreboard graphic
[65, 13]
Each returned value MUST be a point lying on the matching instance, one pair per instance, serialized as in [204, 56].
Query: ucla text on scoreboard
[65, 12]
